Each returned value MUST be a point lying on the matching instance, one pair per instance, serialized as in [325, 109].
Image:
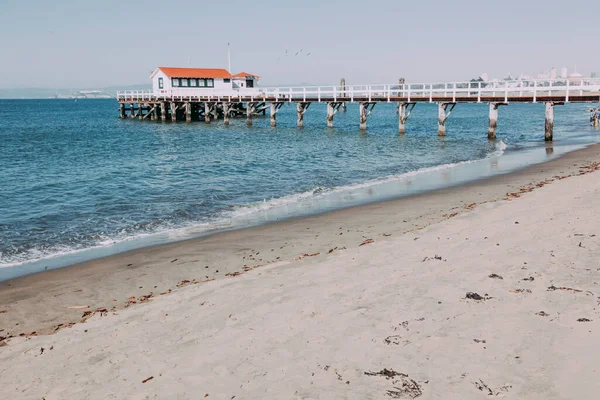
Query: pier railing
[472, 91]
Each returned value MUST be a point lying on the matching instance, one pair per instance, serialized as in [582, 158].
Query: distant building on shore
[564, 73]
[185, 81]
[84, 94]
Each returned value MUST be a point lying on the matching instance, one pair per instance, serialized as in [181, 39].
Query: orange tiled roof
[195, 72]
[245, 74]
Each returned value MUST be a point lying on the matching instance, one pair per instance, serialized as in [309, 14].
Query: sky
[87, 44]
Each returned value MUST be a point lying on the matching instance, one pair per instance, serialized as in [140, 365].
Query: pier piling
[549, 122]
[365, 109]
[250, 110]
[443, 115]
[163, 112]
[493, 121]
[207, 110]
[188, 112]
[121, 110]
[300, 110]
[273, 113]
[225, 113]
[343, 92]
[404, 111]
[173, 112]
[274, 109]
[332, 109]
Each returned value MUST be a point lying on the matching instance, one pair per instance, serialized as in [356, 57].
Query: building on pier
[171, 81]
[245, 80]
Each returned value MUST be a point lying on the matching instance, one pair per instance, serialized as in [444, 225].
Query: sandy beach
[487, 289]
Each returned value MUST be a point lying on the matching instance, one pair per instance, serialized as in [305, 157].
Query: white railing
[563, 89]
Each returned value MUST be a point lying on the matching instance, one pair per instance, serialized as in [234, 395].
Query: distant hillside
[43, 93]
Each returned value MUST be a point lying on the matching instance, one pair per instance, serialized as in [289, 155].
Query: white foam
[315, 193]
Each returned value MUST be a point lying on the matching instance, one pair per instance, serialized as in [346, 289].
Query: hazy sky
[45, 43]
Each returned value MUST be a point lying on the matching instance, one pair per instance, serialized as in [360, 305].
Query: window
[193, 82]
[185, 82]
[226, 80]
[160, 83]
[210, 83]
[175, 82]
[201, 82]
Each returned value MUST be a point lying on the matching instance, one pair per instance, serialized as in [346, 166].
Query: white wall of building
[241, 83]
[168, 89]
[166, 81]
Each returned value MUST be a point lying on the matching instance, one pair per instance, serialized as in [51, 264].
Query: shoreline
[391, 188]
[40, 302]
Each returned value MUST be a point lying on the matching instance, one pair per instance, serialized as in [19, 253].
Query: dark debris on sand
[542, 314]
[476, 296]
[404, 387]
[483, 387]
[387, 373]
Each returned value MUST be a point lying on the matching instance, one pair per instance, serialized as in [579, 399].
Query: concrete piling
[443, 115]
[330, 114]
[226, 113]
[273, 113]
[493, 121]
[300, 110]
[442, 119]
[207, 110]
[188, 112]
[362, 116]
[343, 92]
[404, 111]
[365, 109]
[300, 114]
[332, 109]
[250, 109]
[163, 111]
[549, 126]
[173, 112]
[274, 109]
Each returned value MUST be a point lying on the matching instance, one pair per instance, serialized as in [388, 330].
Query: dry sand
[388, 319]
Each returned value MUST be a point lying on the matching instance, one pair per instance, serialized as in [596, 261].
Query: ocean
[77, 183]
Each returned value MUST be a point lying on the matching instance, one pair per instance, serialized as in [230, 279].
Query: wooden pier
[190, 105]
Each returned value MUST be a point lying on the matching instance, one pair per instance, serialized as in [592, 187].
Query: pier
[188, 104]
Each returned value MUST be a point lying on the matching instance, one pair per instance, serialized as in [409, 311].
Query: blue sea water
[76, 182]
